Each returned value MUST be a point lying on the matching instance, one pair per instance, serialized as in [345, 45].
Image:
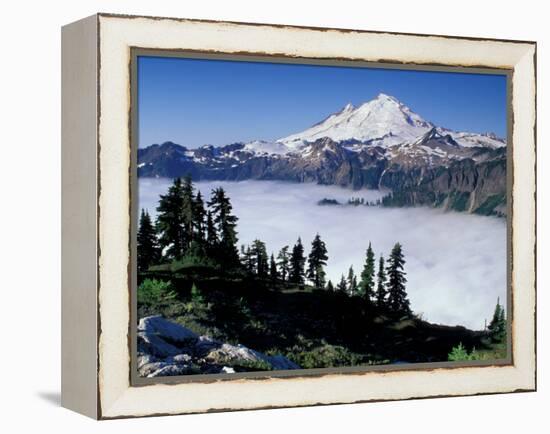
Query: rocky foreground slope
[166, 349]
[381, 144]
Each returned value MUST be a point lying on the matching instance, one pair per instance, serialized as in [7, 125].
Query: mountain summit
[383, 121]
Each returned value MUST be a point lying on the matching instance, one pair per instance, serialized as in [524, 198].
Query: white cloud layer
[456, 262]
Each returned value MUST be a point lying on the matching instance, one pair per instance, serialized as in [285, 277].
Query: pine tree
[211, 235]
[381, 283]
[188, 208]
[367, 276]
[198, 247]
[247, 259]
[148, 252]
[283, 261]
[320, 275]
[317, 260]
[330, 286]
[352, 281]
[397, 294]
[199, 217]
[170, 221]
[497, 326]
[297, 263]
[225, 223]
[342, 285]
[259, 254]
[273, 272]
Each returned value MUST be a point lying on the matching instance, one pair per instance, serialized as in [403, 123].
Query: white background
[30, 216]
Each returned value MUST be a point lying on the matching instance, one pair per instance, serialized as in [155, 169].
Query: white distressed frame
[115, 396]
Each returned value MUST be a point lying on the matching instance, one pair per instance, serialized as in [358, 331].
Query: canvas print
[294, 217]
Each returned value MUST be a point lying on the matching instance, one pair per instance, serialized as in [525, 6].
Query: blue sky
[195, 102]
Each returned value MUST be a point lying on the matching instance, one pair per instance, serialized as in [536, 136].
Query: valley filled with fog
[455, 262]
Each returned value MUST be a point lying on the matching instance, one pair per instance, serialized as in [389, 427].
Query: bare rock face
[166, 349]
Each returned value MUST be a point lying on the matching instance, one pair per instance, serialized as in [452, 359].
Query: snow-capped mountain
[383, 121]
[380, 144]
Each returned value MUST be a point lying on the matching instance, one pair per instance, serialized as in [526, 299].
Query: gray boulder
[166, 349]
[239, 354]
[154, 345]
[168, 330]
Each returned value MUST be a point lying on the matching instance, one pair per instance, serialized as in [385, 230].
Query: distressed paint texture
[117, 35]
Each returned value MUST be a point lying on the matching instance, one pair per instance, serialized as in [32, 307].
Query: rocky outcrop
[166, 349]
[464, 185]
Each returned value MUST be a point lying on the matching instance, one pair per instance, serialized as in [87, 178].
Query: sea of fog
[455, 262]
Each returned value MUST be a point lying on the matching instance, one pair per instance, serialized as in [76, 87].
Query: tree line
[188, 227]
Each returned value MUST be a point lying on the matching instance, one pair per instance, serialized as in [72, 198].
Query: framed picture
[261, 216]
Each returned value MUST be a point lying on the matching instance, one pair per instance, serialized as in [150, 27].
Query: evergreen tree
[188, 208]
[381, 283]
[317, 260]
[397, 294]
[497, 326]
[297, 263]
[352, 281]
[367, 276]
[259, 254]
[226, 228]
[330, 286]
[199, 217]
[320, 275]
[198, 247]
[283, 262]
[211, 235]
[247, 259]
[148, 252]
[342, 285]
[170, 221]
[273, 272]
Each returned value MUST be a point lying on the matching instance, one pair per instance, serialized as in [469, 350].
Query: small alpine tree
[247, 259]
[199, 217]
[342, 285]
[211, 235]
[188, 211]
[297, 263]
[226, 228]
[148, 252]
[283, 262]
[317, 260]
[367, 276]
[397, 294]
[497, 326]
[169, 222]
[352, 281]
[330, 286]
[259, 254]
[273, 272]
[381, 283]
